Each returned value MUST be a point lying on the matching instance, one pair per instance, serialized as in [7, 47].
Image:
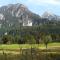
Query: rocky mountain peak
[16, 14]
[49, 15]
[46, 14]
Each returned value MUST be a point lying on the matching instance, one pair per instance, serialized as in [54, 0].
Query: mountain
[14, 15]
[50, 16]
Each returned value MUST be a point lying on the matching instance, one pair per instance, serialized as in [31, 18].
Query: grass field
[12, 51]
[26, 46]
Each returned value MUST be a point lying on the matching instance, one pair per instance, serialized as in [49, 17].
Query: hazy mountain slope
[17, 14]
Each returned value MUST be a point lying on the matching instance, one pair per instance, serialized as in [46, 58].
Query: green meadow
[27, 46]
[30, 51]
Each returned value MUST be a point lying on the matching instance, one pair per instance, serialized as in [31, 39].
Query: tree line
[31, 35]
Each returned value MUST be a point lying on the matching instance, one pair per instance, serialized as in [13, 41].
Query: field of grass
[13, 51]
[26, 46]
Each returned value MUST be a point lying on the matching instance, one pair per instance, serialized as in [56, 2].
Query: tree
[47, 39]
[17, 38]
[29, 39]
[37, 37]
[7, 39]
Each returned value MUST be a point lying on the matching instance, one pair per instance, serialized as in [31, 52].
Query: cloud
[39, 2]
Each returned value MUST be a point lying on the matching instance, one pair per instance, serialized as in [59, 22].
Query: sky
[37, 6]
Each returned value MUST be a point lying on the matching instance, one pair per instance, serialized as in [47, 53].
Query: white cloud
[39, 2]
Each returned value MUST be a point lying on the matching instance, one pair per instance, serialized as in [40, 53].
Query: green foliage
[33, 34]
[7, 39]
[29, 39]
[17, 38]
[46, 39]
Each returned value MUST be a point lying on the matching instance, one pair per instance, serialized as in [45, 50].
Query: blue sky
[37, 6]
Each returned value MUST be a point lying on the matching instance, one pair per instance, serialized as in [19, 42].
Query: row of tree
[30, 38]
[31, 35]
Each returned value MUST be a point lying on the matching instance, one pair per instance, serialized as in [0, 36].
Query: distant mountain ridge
[16, 15]
[50, 16]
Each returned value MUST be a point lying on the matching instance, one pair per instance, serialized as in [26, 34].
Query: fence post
[31, 53]
[4, 56]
